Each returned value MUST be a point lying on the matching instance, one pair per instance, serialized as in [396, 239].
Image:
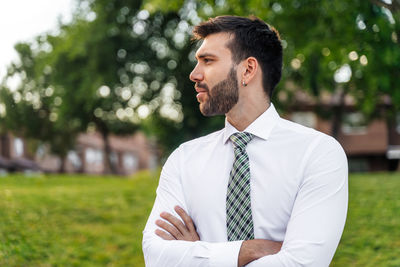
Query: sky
[22, 20]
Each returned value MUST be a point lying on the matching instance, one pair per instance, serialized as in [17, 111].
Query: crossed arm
[312, 232]
[178, 243]
[175, 229]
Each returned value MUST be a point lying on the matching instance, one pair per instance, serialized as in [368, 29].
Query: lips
[201, 93]
[200, 90]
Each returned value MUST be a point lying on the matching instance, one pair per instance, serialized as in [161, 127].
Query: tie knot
[240, 140]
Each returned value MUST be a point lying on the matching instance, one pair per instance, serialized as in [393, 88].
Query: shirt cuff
[225, 254]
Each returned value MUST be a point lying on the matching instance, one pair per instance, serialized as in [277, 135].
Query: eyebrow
[205, 55]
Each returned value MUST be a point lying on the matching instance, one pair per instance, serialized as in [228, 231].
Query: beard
[222, 97]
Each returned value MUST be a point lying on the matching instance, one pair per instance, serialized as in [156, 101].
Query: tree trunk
[81, 154]
[109, 166]
[391, 131]
[62, 164]
[338, 114]
[5, 146]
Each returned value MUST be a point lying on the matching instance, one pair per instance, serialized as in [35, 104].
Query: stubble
[222, 97]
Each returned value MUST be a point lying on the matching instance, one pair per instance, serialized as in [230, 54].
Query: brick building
[128, 153]
[369, 146]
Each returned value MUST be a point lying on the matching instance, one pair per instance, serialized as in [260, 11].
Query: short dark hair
[252, 38]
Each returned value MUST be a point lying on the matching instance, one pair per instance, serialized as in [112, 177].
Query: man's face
[215, 76]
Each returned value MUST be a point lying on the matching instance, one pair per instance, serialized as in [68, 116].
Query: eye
[207, 60]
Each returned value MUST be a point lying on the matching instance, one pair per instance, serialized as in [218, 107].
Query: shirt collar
[261, 127]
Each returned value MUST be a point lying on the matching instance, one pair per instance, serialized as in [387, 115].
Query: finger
[186, 218]
[175, 222]
[164, 235]
[169, 228]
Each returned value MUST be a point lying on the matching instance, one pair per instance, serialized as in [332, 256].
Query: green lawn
[97, 221]
[372, 233]
[74, 221]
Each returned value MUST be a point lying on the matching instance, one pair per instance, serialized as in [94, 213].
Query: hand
[257, 248]
[174, 228]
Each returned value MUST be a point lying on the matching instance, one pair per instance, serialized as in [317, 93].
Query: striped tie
[239, 220]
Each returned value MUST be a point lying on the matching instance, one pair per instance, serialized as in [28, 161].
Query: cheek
[215, 74]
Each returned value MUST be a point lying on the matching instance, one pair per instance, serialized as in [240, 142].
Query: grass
[97, 221]
[73, 221]
[372, 233]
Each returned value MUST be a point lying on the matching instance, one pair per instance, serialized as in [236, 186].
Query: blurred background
[95, 90]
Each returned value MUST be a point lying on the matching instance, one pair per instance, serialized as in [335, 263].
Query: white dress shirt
[299, 196]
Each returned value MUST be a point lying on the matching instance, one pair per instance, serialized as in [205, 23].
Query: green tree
[336, 47]
[32, 109]
[119, 67]
[116, 66]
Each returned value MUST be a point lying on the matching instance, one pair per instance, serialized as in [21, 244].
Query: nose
[196, 75]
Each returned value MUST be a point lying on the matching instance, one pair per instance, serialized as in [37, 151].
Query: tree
[32, 108]
[126, 67]
[337, 47]
[118, 67]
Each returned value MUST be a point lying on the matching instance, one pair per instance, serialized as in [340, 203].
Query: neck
[247, 111]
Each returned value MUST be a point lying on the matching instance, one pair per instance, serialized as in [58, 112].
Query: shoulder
[297, 133]
[202, 141]
[195, 145]
[298, 129]
[323, 159]
[302, 131]
[191, 150]
[312, 140]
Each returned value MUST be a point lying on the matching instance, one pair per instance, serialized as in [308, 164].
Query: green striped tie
[239, 220]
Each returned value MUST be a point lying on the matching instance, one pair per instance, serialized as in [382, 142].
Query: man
[263, 191]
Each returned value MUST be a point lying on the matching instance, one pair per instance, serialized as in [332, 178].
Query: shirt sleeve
[319, 213]
[159, 252]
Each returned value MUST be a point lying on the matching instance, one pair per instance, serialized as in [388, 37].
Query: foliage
[324, 39]
[94, 221]
[33, 107]
[117, 67]
[155, 57]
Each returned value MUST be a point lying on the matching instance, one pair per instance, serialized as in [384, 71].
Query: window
[18, 147]
[358, 165]
[393, 152]
[93, 156]
[307, 119]
[114, 157]
[41, 151]
[153, 162]
[354, 123]
[130, 161]
[74, 159]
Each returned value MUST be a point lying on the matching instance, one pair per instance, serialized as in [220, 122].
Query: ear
[250, 65]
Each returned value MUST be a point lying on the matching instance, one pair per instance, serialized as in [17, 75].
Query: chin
[208, 113]
[204, 111]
